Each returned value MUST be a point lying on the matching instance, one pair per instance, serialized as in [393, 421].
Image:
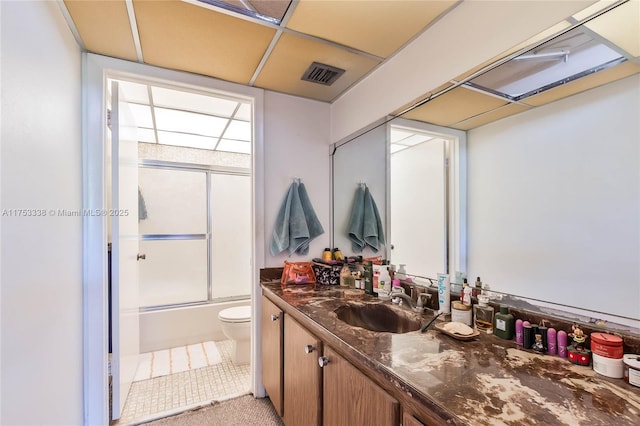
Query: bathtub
[168, 328]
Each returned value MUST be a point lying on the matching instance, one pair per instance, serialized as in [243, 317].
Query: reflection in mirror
[417, 198]
[361, 160]
[420, 199]
[552, 176]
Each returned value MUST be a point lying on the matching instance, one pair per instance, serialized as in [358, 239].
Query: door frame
[95, 71]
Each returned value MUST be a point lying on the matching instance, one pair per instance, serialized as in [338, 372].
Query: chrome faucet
[419, 307]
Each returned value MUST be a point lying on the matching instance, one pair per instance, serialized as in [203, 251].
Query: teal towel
[373, 231]
[280, 235]
[355, 228]
[365, 226]
[313, 224]
[296, 223]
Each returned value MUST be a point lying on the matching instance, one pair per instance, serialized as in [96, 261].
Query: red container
[578, 357]
[606, 345]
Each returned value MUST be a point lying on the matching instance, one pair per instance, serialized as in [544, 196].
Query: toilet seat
[236, 314]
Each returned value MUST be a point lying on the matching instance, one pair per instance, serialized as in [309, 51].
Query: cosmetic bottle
[337, 254]
[542, 330]
[477, 290]
[562, 343]
[519, 332]
[345, 276]
[503, 324]
[367, 276]
[527, 335]
[444, 293]
[483, 315]
[551, 341]
[326, 254]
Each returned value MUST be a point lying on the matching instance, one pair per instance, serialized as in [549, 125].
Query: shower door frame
[208, 170]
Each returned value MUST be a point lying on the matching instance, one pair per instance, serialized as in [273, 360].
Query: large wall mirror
[413, 173]
[536, 190]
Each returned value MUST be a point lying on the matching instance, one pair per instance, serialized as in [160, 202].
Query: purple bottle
[519, 332]
[551, 341]
[562, 343]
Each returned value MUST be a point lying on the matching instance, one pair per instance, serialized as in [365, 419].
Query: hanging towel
[296, 223]
[313, 224]
[142, 207]
[356, 222]
[298, 229]
[365, 227]
[372, 225]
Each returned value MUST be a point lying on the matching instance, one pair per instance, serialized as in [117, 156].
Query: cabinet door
[409, 420]
[272, 352]
[302, 376]
[350, 398]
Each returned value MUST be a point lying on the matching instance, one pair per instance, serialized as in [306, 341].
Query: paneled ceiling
[231, 42]
[271, 43]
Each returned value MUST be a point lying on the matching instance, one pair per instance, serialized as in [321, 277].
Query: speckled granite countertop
[484, 381]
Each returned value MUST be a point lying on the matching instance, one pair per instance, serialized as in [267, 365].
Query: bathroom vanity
[320, 369]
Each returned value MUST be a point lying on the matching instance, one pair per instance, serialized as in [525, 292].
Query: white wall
[554, 201]
[41, 256]
[296, 135]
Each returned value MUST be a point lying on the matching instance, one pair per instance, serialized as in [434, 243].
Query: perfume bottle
[483, 315]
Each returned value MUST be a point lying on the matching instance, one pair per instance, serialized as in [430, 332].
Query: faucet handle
[421, 303]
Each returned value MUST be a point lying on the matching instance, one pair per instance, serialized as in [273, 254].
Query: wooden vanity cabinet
[351, 398]
[409, 420]
[272, 352]
[302, 376]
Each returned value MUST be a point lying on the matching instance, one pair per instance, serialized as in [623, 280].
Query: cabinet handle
[309, 348]
[274, 317]
[322, 361]
[141, 256]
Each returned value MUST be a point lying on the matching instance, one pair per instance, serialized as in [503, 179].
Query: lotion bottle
[444, 293]
[503, 325]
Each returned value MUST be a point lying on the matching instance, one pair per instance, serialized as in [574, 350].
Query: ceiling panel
[598, 79]
[376, 27]
[104, 27]
[621, 26]
[455, 106]
[490, 116]
[182, 36]
[291, 57]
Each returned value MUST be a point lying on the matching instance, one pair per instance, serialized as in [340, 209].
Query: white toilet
[236, 325]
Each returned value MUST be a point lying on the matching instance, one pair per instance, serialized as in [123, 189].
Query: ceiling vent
[322, 74]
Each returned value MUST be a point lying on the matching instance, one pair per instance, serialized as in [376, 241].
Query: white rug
[175, 360]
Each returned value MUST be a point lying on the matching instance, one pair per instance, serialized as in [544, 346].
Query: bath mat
[175, 360]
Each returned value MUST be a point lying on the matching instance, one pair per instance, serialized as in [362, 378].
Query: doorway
[96, 71]
[194, 246]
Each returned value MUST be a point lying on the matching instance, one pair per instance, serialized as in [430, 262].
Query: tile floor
[154, 398]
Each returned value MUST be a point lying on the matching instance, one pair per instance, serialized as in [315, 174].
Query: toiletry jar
[610, 367]
[631, 371]
[606, 345]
